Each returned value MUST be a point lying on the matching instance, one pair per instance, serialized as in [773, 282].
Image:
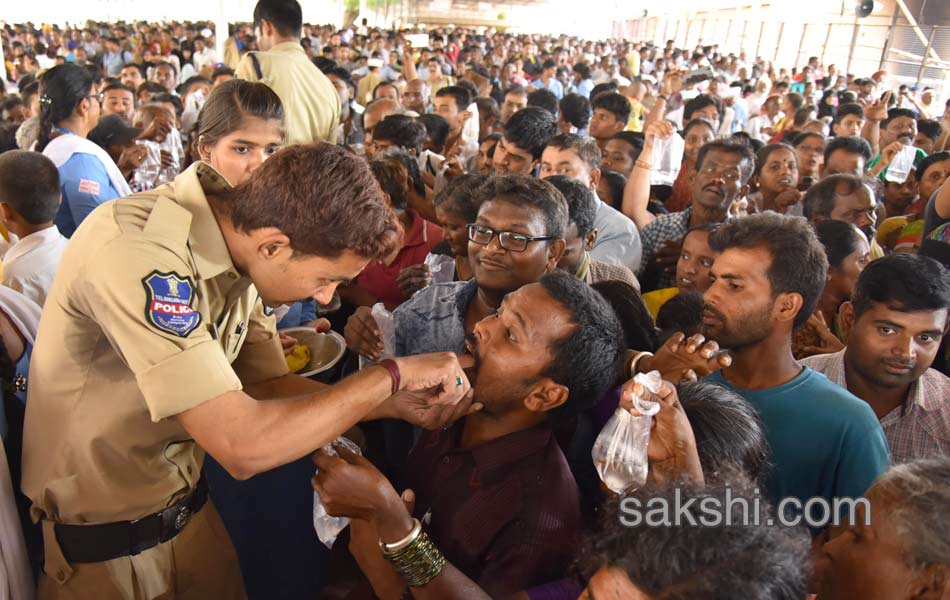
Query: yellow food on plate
[299, 358]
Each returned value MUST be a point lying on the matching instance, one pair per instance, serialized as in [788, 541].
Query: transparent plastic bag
[387, 330]
[441, 267]
[902, 165]
[620, 451]
[667, 158]
[145, 177]
[328, 528]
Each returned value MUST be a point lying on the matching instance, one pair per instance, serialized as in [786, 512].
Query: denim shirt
[434, 319]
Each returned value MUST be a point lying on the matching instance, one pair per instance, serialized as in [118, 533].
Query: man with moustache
[894, 323]
[722, 173]
[844, 198]
[494, 490]
[898, 129]
[767, 280]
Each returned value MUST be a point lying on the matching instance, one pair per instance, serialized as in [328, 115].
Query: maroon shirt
[505, 513]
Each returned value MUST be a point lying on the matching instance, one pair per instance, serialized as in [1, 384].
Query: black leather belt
[106, 541]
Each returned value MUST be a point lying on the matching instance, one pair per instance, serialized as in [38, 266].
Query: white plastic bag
[620, 451]
[145, 176]
[328, 528]
[441, 267]
[902, 165]
[667, 158]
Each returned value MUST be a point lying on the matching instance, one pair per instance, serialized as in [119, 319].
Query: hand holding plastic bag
[620, 451]
[328, 528]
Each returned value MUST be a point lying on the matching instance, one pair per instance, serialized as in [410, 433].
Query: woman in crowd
[776, 180]
[69, 110]
[848, 254]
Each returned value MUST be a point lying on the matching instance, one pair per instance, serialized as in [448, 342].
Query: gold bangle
[632, 371]
[643, 165]
[397, 546]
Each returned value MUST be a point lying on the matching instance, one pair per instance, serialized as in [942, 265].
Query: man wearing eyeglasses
[722, 173]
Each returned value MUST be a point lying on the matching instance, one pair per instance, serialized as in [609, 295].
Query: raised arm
[636, 194]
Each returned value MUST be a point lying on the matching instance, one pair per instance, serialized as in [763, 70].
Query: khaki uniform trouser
[199, 563]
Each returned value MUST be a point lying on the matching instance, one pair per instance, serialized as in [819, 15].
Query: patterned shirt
[668, 227]
[920, 428]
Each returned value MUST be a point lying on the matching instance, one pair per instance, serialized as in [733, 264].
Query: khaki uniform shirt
[147, 318]
[311, 103]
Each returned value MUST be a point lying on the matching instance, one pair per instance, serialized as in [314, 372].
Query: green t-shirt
[825, 441]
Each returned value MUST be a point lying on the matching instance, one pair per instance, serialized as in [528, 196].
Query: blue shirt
[554, 86]
[302, 311]
[584, 88]
[825, 442]
[85, 184]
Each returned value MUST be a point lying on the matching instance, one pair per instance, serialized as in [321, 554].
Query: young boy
[29, 200]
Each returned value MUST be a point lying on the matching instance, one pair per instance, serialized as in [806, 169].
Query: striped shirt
[920, 428]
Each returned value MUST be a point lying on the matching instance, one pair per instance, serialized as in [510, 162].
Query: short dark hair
[322, 196]
[799, 138]
[118, 86]
[728, 430]
[897, 113]
[634, 139]
[576, 110]
[698, 123]
[411, 163]
[700, 102]
[401, 130]
[517, 89]
[681, 313]
[585, 148]
[581, 203]
[904, 282]
[461, 197]
[840, 240]
[930, 128]
[437, 128]
[615, 182]
[582, 69]
[29, 183]
[741, 560]
[172, 99]
[525, 191]
[221, 70]
[795, 99]
[488, 106]
[548, 64]
[544, 99]
[285, 15]
[586, 359]
[603, 88]
[848, 108]
[851, 144]
[798, 264]
[382, 84]
[530, 129]
[463, 98]
[820, 199]
[614, 103]
[803, 115]
[746, 157]
[135, 66]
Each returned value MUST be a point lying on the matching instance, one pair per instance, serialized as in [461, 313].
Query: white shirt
[618, 240]
[206, 57]
[30, 264]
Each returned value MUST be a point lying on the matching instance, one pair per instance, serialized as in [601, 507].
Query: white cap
[374, 63]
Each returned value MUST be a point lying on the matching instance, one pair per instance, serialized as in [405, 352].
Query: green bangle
[418, 563]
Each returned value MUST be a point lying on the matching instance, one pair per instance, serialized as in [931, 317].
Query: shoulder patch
[89, 187]
[168, 304]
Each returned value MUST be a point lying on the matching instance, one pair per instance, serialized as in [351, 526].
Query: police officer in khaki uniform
[311, 103]
[155, 347]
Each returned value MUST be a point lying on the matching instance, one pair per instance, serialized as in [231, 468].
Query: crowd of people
[510, 233]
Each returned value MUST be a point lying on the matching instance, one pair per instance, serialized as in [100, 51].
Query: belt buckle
[181, 519]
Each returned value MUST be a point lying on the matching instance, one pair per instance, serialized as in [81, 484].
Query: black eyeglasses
[509, 240]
